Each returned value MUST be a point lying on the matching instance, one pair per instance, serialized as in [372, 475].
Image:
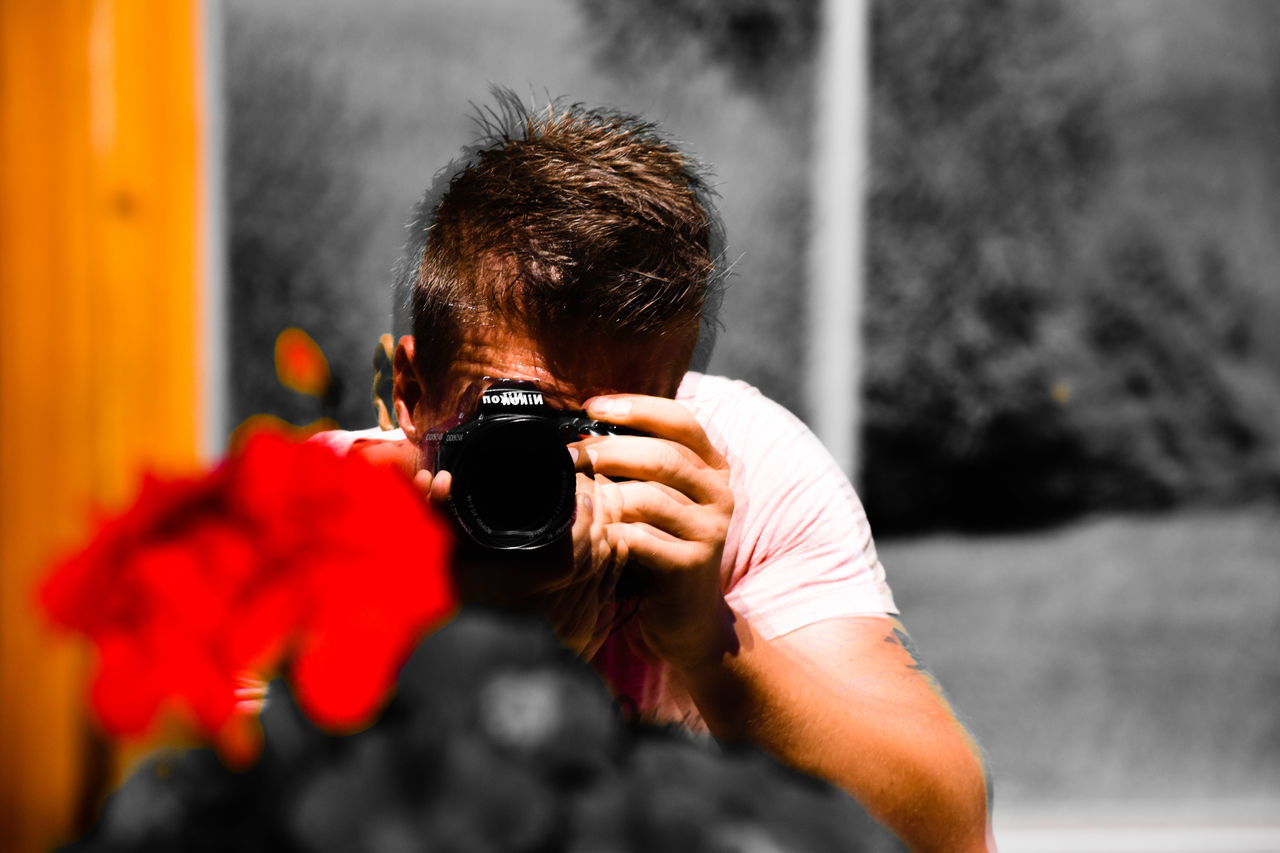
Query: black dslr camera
[513, 479]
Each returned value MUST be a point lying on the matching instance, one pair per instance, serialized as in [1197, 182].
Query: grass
[1119, 658]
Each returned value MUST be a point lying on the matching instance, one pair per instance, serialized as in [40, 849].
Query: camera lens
[514, 485]
[515, 481]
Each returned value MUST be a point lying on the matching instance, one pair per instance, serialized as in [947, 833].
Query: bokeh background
[1070, 445]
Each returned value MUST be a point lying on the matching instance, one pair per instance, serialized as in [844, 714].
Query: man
[576, 250]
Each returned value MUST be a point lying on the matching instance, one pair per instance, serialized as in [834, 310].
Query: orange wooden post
[100, 199]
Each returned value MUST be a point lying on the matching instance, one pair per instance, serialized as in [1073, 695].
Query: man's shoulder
[779, 469]
[707, 386]
[342, 440]
[737, 410]
[707, 393]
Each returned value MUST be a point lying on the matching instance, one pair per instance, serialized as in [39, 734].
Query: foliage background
[1045, 336]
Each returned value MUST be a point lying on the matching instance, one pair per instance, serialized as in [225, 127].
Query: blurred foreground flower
[286, 557]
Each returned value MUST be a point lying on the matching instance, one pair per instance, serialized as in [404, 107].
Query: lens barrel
[513, 481]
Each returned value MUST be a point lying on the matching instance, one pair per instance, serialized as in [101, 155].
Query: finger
[593, 556]
[581, 461]
[440, 486]
[585, 522]
[608, 557]
[680, 498]
[654, 460]
[663, 508]
[656, 549]
[433, 488]
[659, 417]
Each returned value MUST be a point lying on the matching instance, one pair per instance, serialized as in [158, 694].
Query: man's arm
[847, 701]
[844, 699]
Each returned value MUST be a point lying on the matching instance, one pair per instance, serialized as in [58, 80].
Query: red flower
[285, 552]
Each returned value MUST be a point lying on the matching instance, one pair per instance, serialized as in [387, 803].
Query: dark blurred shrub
[496, 741]
[988, 139]
[1036, 346]
[297, 221]
[1176, 406]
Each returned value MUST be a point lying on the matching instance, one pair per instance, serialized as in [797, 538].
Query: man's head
[571, 237]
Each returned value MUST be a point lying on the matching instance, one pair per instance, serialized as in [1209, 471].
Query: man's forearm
[913, 770]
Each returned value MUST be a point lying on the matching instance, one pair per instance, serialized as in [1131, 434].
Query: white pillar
[835, 262]
[215, 426]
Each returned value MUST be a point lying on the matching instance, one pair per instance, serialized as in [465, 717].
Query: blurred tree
[297, 222]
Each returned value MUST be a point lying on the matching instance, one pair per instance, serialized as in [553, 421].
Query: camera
[514, 484]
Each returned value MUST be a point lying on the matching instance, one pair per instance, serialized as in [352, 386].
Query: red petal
[342, 677]
[264, 623]
[125, 693]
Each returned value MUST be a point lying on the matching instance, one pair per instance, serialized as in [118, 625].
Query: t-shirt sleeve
[800, 549]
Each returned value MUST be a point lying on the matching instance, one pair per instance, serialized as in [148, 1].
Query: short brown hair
[567, 221]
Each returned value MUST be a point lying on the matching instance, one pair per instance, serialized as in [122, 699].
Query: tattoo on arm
[902, 638]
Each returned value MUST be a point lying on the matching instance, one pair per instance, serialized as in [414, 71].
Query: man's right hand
[434, 488]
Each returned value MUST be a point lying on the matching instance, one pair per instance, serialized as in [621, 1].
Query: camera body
[514, 484]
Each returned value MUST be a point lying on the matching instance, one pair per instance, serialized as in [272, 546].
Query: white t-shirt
[799, 549]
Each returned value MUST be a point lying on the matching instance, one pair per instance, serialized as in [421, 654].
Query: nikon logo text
[515, 398]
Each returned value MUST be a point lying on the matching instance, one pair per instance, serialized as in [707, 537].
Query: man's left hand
[669, 505]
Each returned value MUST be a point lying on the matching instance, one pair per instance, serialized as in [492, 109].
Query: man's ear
[409, 390]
